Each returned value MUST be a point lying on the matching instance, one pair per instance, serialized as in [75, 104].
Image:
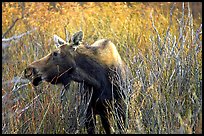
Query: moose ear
[77, 38]
[58, 41]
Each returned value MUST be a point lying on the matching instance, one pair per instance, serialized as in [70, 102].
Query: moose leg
[104, 119]
[90, 121]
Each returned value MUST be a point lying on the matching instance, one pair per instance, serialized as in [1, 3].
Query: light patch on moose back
[104, 51]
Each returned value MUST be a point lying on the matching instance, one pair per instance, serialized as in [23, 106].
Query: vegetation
[161, 43]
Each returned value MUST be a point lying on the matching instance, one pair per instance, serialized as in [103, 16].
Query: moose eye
[55, 54]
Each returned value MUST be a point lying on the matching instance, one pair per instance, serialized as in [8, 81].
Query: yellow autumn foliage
[164, 80]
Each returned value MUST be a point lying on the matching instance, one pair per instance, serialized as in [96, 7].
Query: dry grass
[160, 43]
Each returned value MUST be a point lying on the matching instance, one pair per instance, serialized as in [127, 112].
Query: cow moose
[98, 66]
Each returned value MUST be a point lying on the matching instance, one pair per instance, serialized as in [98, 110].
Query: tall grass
[161, 47]
[169, 96]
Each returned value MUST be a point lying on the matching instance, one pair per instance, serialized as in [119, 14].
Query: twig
[155, 29]
[17, 37]
[45, 114]
[6, 40]
[170, 22]
[15, 87]
[16, 80]
[67, 34]
[10, 28]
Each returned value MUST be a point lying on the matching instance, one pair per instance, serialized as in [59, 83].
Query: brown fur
[105, 52]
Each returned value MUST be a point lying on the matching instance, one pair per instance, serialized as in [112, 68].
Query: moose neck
[90, 70]
[79, 75]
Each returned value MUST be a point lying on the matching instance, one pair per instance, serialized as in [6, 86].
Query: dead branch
[10, 28]
[5, 41]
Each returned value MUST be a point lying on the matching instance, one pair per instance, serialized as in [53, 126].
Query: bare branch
[16, 80]
[67, 34]
[6, 40]
[170, 22]
[10, 28]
